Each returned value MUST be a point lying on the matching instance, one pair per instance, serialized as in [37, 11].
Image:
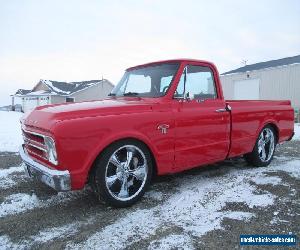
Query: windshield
[150, 81]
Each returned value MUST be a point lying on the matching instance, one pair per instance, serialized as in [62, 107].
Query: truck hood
[45, 117]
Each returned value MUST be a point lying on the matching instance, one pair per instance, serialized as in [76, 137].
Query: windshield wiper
[131, 94]
[111, 94]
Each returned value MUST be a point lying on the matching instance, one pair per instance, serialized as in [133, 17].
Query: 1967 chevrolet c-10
[162, 117]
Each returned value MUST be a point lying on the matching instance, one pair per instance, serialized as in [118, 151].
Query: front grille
[34, 144]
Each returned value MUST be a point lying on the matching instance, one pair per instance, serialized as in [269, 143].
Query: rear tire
[122, 173]
[264, 148]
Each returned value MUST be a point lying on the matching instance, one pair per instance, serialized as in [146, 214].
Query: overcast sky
[83, 40]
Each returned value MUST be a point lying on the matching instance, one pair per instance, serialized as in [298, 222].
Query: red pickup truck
[162, 117]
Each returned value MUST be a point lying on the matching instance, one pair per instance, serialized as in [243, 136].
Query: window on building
[70, 99]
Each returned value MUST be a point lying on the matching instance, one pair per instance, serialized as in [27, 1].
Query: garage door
[246, 89]
[30, 103]
[44, 100]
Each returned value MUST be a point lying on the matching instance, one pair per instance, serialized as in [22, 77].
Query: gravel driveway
[208, 207]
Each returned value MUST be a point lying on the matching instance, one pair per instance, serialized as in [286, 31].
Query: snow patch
[7, 244]
[40, 92]
[10, 132]
[175, 241]
[6, 180]
[264, 180]
[197, 207]
[21, 202]
[17, 203]
[154, 195]
[291, 167]
[236, 215]
[8, 171]
[50, 84]
[137, 225]
[50, 234]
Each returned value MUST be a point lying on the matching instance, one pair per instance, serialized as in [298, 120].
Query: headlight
[51, 150]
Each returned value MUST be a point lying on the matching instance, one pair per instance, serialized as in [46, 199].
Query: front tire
[264, 148]
[122, 173]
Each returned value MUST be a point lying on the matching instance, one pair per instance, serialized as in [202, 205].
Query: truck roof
[180, 60]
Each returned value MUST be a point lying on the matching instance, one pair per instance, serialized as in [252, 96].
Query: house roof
[61, 88]
[267, 64]
[22, 92]
[68, 88]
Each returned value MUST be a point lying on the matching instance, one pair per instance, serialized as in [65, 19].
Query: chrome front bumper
[59, 180]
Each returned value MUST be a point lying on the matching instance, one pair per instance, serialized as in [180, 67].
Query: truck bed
[248, 117]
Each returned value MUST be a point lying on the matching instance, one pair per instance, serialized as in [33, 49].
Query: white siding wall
[57, 99]
[280, 83]
[30, 102]
[97, 92]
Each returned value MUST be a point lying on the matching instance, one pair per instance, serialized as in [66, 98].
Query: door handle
[221, 110]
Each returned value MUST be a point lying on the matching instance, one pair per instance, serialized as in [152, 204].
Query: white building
[271, 80]
[53, 92]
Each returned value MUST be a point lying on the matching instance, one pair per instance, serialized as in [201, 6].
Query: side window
[197, 84]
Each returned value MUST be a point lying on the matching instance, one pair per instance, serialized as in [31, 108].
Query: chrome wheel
[126, 172]
[266, 144]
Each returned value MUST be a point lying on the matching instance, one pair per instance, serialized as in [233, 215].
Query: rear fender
[271, 122]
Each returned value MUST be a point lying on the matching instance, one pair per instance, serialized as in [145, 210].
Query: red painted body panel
[197, 134]
[249, 117]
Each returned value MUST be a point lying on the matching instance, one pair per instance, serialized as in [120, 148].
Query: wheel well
[275, 128]
[154, 172]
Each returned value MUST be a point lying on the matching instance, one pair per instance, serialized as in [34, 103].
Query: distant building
[17, 108]
[53, 92]
[271, 80]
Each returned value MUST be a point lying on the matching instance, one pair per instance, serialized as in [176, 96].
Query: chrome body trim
[57, 179]
[33, 133]
[221, 110]
[29, 142]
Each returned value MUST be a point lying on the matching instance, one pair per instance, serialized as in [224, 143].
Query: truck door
[202, 124]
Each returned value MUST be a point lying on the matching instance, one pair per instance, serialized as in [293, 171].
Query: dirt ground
[205, 208]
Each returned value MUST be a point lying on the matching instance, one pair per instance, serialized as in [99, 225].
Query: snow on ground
[17, 203]
[197, 208]
[297, 131]
[7, 244]
[6, 176]
[10, 131]
[50, 234]
[183, 242]
[20, 202]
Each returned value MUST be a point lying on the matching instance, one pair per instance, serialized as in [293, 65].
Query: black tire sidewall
[99, 182]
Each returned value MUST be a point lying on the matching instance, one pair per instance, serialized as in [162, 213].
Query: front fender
[116, 137]
[80, 141]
